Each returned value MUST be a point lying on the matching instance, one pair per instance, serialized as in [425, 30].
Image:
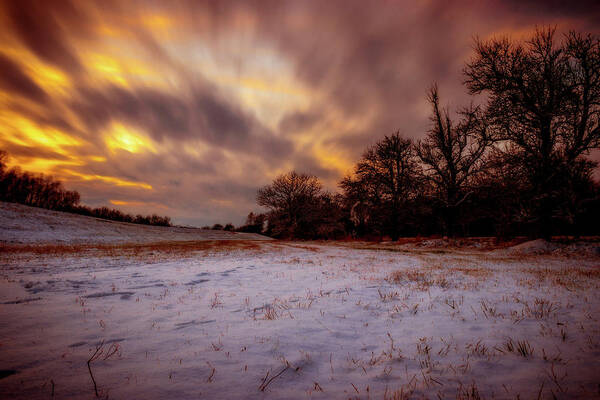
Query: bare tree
[582, 130]
[386, 179]
[291, 197]
[452, 153]
[357, 203]
[544, 99]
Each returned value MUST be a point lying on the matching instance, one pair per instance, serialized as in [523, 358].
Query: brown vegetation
[156, 251]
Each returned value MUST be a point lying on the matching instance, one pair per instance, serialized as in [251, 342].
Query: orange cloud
[145, 204]
[108, 179]
[121, 137]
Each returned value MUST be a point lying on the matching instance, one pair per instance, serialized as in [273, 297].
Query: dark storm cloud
[585, 9]
[222, 124]
[32, 152]
[178, 166]
[201, 115]
[38, 25]
[48, 116]
[365, 56]
[299, 121]
[13, 79]
[305, 163]
[163, 114]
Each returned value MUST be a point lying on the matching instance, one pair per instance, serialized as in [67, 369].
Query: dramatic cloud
[185, 108]
[13, 80]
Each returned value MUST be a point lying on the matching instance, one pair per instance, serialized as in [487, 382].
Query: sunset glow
[120, 137]
[193, 106]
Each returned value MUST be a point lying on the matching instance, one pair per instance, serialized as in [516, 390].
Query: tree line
[38, 190]
[517, 164]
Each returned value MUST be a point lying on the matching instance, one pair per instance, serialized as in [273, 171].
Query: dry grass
[520, 347]
[404, 393]
[437, 275]
[422, 279]
[147, 251]
[270, 313]
[469, 392]
[431, 244]
[474, 272]
[388, 296]
[435, 245]
[282, 244]
[569, 277]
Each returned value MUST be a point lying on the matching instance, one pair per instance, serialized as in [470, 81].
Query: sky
[185, 108]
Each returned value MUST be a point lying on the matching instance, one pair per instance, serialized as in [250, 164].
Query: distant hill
[20, 224]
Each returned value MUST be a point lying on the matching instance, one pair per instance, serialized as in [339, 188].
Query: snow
[297, 320]
[21, 224]
[541, 246]
[537, 246]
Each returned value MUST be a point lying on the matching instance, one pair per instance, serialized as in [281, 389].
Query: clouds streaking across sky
[186, 108]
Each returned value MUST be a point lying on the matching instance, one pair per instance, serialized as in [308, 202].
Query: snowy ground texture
[283, 320]
[21, 224]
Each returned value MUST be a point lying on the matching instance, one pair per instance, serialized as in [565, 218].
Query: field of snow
[21, 224]
[283, 320]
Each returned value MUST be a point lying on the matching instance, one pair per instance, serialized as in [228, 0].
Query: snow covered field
[21, 224]
[281, 320]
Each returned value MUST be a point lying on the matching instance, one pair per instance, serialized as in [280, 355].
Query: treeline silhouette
[219, 227]
[518, 164]
[38, 190]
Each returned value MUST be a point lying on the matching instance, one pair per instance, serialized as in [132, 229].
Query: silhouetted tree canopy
[544, 101]
[254, 223]
[291, 198]
[298, 208]
[515, 164]
[451, 155]
[386, 180]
